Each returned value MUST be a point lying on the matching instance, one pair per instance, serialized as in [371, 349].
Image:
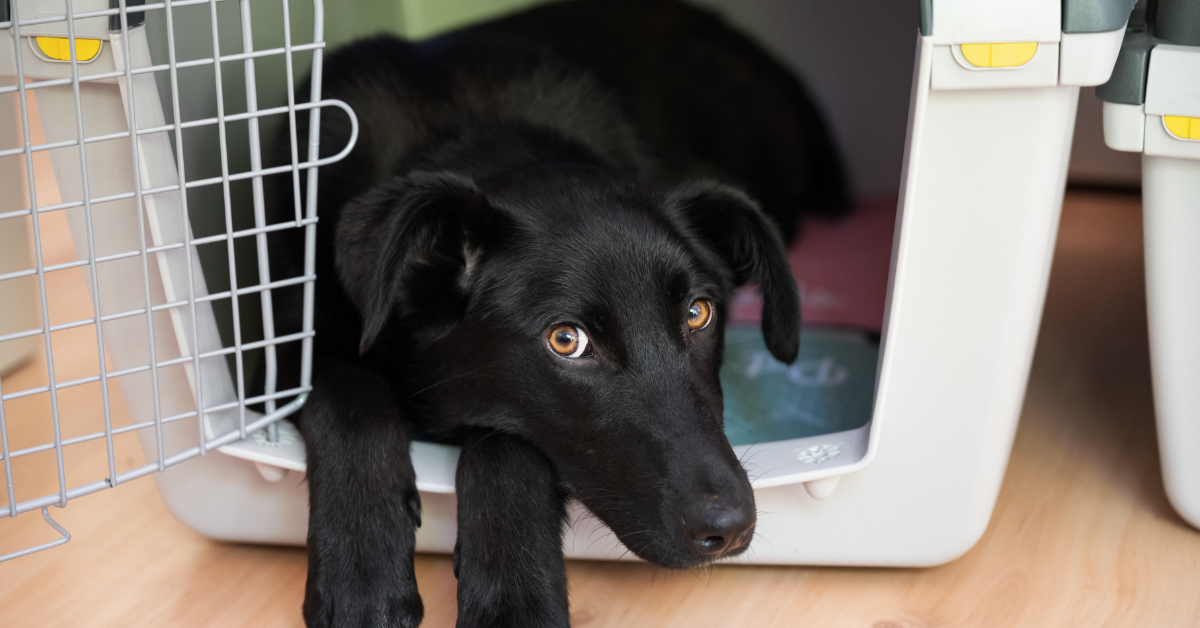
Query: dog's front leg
[509, 559]
[363, 504]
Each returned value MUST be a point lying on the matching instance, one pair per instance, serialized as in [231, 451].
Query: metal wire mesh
[155, 140]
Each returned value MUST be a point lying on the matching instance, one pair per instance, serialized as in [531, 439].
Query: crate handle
[66, 536]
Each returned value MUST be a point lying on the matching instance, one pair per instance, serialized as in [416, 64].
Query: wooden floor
[1082, 534]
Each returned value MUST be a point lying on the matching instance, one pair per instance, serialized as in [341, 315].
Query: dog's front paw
[499, 606]
[517, 594]
[363, 605]
[364, 580]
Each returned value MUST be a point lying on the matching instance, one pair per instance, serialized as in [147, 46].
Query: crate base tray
[799, 423]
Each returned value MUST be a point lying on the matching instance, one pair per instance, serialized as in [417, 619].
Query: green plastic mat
[830, 388]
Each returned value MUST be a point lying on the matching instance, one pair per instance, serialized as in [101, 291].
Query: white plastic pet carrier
[1154, 109]
[994, 90]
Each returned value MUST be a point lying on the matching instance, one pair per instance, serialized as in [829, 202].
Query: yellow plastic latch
[59, 48]
[978, 55]
[1183, 127]
[1012, 55]
[999, 55]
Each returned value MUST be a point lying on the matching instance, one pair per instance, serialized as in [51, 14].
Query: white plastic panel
[1124, 127]
[91, 28]
[1088, 58]
[1172, 89]
[1160, 143]
[994, 21]
[951, 71]
[36, 69]
[1173, 83]
[1171, 210]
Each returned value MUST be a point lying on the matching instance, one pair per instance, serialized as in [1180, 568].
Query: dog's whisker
[593, 539]
[760, 536]
[590, 545]
[444, 381]
[764, 473]
[752, 452]
[463, 454]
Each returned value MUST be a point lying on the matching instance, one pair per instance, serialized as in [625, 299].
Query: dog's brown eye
[699, 314]
[568, 341]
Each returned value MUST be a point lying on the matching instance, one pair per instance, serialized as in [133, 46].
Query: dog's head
[584, 313]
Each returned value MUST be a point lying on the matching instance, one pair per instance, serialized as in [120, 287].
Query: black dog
[508, 260]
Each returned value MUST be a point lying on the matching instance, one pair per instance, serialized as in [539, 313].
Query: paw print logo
[819, 453]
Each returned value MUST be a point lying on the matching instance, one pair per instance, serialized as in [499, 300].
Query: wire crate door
[117, 144]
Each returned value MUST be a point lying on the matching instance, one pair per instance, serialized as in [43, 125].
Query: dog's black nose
[716, 527]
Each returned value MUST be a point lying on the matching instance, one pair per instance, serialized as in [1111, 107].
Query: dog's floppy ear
[733, 226]
[416, 237]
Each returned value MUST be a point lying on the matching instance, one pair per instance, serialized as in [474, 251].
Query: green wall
[414, 19]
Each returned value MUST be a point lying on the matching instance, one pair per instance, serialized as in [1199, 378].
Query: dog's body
[511, 276]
